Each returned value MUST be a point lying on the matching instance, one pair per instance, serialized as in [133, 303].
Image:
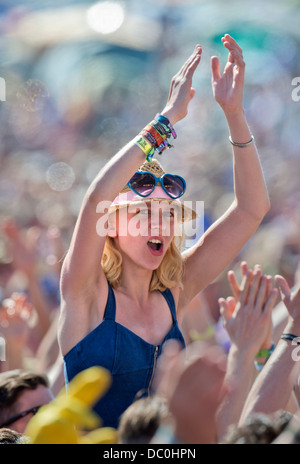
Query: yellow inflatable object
[63, 420]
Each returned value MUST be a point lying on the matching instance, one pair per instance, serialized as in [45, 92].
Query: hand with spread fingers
[15, 313]
[248, 321]
[181, 90]
[15, 329]
[247, 318]
[252, 284]
[273, 390]
[191, 382]
[228, 88]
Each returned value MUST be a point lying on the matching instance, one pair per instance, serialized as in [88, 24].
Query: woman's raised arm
[225, 238]
[81, 269]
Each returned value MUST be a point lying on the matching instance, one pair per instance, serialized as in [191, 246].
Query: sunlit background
[83, 78]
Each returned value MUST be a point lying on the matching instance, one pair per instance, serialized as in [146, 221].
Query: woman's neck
[135, 282]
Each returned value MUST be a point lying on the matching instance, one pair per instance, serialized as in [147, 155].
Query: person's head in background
[140, 421]
[10, 437]
[22, 393]
[259, 429]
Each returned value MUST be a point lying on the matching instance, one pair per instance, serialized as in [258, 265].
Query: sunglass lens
[143, 184]
[174, 185]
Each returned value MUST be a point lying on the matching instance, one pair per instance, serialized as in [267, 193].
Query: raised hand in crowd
[247, 317]
[23, 247]
[15, 315]
[237, 289]
[41, 338]
[273, 388]
[192, 383]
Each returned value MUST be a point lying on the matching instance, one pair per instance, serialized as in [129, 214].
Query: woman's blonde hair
[167, 275]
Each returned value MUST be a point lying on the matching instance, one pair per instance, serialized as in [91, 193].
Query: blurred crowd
[78, 89]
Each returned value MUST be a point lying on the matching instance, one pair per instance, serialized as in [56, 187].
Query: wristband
[149, 137]
[261, 354]
[161, 128]
[154, 132]
[154, 137]
[266, 352]
[163, 120]
[145, 146]
[291, 337]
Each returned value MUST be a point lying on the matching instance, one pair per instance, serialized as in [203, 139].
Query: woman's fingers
[236, 59]
[244, 267]
[215, 68]
[235, 52]
[284, 288]
[233, 48]
[235, 286]
[245, 288]
[192, 62]
[181, 91]
[269, 285]
[224, 309]
[261, 294]
[227, 309]
[230, 40]
[254, 287]
[192, 66]
[270, 303]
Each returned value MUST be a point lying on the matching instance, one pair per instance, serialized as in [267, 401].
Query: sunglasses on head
[19, 416]
[144, 183]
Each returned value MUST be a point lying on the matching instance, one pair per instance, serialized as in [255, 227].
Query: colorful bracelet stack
[155, 136]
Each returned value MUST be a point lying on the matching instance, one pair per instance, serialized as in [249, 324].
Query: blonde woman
[120, 313]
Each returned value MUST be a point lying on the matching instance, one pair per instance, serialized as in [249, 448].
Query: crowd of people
[203, 394]
[236, 380]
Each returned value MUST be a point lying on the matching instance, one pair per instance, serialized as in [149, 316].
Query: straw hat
[129, 197]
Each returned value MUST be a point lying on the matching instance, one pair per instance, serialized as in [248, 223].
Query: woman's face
[144, 233]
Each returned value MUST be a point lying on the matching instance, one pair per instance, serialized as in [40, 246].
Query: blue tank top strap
[110, 309]
[170, 300]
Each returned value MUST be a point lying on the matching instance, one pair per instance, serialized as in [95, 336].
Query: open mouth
[155, 244]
